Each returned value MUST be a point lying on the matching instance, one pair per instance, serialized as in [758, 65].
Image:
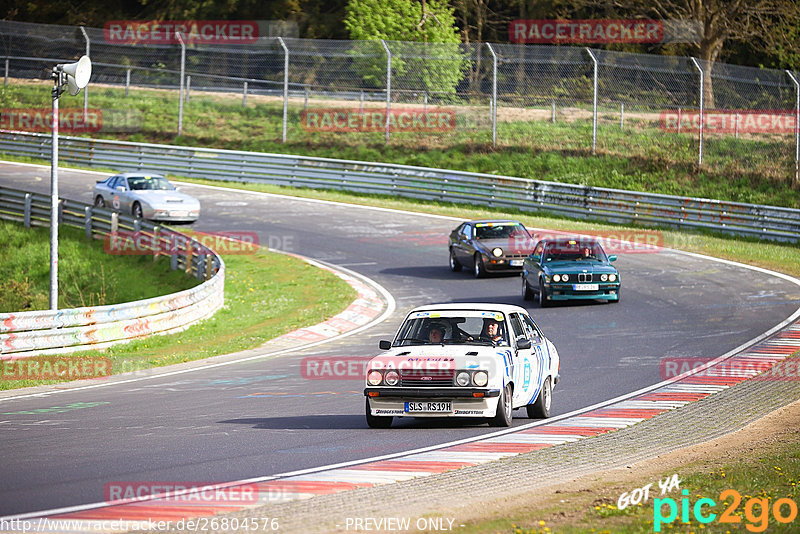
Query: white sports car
[146, 196]
[463, 360]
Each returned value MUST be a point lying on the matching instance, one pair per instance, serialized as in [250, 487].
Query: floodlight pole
[58, 87]
[180, 90]
[86, 89]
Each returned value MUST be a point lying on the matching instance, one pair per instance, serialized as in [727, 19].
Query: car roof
[496, 221]
[139, 173]
[579, 239]
[477, 306]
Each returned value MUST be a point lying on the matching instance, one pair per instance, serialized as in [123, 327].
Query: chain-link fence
[729, 119]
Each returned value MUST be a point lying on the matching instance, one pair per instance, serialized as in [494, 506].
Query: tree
[435, 66]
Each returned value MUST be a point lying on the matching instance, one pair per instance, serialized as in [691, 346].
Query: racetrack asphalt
[263, 417]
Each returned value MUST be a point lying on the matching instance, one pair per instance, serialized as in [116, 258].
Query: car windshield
[574, 250]
[453, 327]
[499, 230]
[149, 183]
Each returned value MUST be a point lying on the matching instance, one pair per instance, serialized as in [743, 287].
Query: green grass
[266, 295]
[767, 471]
[641, 157]
[87, 275]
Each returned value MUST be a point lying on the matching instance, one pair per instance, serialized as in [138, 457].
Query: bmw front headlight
[497, 252]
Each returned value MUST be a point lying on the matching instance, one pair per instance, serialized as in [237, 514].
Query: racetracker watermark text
[191, 31]
[143, 243]
[730, 121]
[54, 368]
[71, 120]
[374, 120]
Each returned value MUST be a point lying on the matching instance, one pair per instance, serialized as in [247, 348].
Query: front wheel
[543, 301]
[99, 202]
[377, 421]
[454, 265]
[478, 269]
[503, 416]
[137, 210]
[540, 409]
[527, 294]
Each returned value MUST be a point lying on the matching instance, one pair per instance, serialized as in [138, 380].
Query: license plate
[429, 407]
[179, 213]
[585, 287]
[516, 263]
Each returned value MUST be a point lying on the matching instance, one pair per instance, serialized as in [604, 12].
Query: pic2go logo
[756, 511]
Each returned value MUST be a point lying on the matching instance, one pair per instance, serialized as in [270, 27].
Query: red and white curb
[606, 417]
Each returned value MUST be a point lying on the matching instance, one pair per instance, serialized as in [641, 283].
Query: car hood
[441, 357]
[167, 198]
[509, 245]
[570, 267]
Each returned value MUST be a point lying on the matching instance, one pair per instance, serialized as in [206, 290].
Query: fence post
[796, 128]
[127, 81]
[285, 84]
[680, 118]
[305, 98]
[553, 114]
[388, 86]
[594, 102]
[494, 95]
[361, 102]
[188, 88]
[702, 109]
[85, 89]
[244, 94]
[5, 79]
[180, 91]
[621, 115]
[425, 103]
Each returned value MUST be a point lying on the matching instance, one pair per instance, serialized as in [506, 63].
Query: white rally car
[462, 360]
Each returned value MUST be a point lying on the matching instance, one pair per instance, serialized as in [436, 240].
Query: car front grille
[585, 278]
[422, 378]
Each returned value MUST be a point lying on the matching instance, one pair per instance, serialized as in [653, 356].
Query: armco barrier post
[27, 214]
[87, 222]
[796, 128]
[285, 85]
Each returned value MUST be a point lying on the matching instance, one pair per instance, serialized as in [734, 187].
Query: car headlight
[480, 378]
[603, 277]
[392, 378]
[462, 379]
[374, 377]
[564, 277]
[497, 252]
[556, 278]
[612, 277]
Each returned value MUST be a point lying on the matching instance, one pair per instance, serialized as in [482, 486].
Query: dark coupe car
[489, 246]
[569, 268]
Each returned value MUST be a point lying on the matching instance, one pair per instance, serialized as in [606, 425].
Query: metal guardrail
[41, 332]
[611, 205]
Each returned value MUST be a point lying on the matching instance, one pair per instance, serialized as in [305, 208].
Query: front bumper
[498, 265]
[391, 401]
[607, 291]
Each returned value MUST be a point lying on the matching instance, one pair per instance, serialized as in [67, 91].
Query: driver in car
[491, 332]
[436, 333]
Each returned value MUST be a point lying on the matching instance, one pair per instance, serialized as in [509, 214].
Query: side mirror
[535, 258]
[612, 258]
[384, 344]
[523, 343]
